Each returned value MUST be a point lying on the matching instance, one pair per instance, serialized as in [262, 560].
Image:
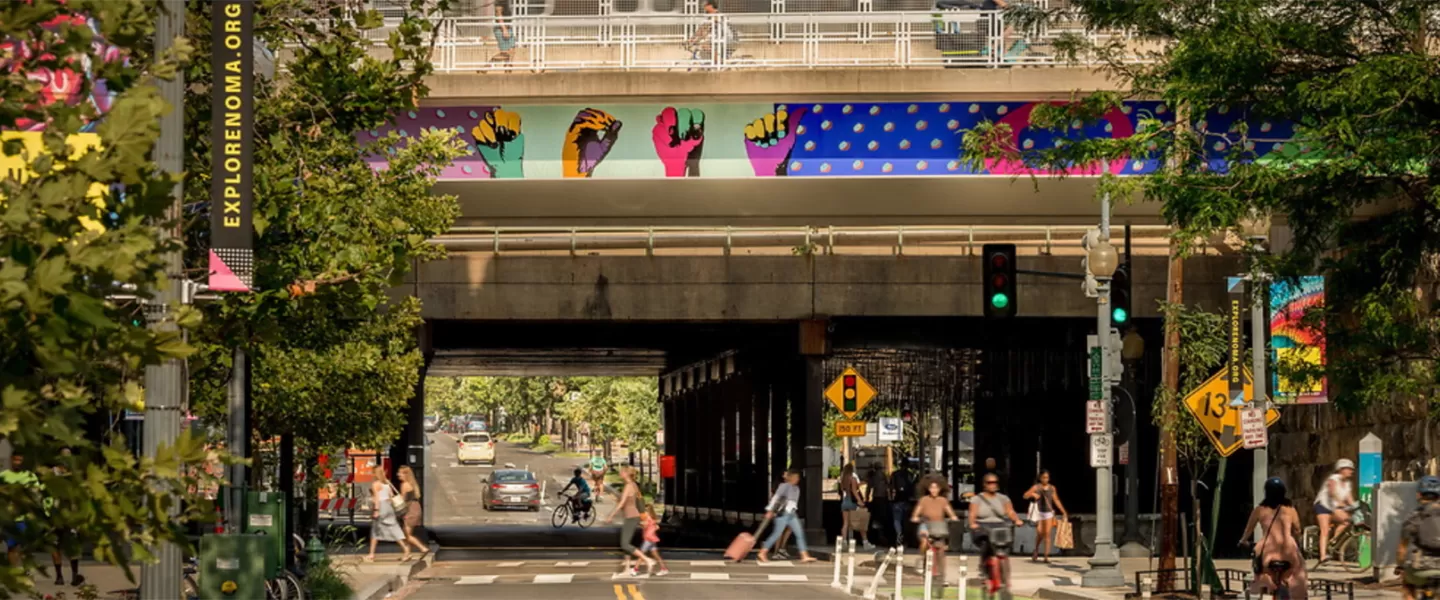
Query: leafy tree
[335, 358]
[1358, 80]
[70, 358]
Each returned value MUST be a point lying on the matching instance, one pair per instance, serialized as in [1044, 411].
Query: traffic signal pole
[1105, 564]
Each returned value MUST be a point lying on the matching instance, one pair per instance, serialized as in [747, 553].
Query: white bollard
[1145, 587]
[925, 564]
[850, 570]
[836, 558]
[874, 586]
[963, 576]
[899, 571]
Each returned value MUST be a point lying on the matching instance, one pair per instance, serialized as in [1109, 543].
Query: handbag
[1064, 535]
[398, 502]
[1032, 514]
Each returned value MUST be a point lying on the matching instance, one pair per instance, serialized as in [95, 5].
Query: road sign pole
[1105, 564]
[1258, 324]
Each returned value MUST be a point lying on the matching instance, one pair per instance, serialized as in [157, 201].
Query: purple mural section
[463, 120]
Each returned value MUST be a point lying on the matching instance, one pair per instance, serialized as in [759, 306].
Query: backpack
[1427, 533]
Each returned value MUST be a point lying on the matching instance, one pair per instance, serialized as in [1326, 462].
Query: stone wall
[1308, 440]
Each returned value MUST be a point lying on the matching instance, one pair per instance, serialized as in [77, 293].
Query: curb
[1067, 593]
[382, 588]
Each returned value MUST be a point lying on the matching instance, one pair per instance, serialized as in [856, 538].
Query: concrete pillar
[807, 445]
[410, 448]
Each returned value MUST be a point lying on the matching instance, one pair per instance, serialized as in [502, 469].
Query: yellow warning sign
[849, 428]
[850, 393]
[1210, 404]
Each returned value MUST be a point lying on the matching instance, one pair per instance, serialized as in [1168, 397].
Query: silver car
[511, 488]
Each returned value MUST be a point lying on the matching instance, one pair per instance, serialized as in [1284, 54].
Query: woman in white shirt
[1334, 502]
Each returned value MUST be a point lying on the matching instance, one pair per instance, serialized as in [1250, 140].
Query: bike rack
[1228, 579]
[1330, 586]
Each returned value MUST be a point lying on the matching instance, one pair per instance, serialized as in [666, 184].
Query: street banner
[1297, 344]
[232, 131]
[1235, 365]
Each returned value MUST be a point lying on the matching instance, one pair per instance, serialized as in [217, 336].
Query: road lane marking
[789, 578]
[635, 592]
[710, 576]
[511, 564]
[582, 563]
[707, 563]
[620, 593]
[553, 578]
[477, 580]
[777, 563]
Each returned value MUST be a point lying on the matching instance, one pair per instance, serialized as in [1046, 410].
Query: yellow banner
[17, 166]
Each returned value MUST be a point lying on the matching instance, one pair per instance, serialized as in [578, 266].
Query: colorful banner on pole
[1295, 342]
[232, 238]
[1233, 373]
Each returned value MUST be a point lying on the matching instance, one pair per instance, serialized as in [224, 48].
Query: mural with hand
[883, 139]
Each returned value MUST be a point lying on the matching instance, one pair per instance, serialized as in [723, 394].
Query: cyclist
[1334, 504]
[1279, 525]
[935, 512]
[580, 502]
[1419, 554]
[989, 510]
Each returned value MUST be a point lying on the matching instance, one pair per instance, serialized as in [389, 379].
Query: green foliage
[326, 581]
[69, 357]
[543, 440]
[1203, 349]
[617, 408]
[334, 357]
[1359, 80]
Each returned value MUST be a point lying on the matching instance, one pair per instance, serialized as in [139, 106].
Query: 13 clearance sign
[232, 142]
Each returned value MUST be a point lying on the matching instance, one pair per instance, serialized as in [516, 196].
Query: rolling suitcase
[744, 543]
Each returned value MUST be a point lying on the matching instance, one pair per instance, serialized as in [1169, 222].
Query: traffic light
[999, 287]
[1120, 295]
[850, 393]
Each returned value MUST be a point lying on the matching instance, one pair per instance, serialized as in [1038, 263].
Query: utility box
[230, 563]
[265, 518]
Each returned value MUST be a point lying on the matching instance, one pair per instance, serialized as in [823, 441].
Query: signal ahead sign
[850, 393]
[1210, 404]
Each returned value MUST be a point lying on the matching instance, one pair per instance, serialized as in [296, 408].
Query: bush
[325, 582]
[518, 438]
[546, 448]
[501, 436]
[543, 441]
[834, 472]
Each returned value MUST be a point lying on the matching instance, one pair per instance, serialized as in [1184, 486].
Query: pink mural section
[65, 84]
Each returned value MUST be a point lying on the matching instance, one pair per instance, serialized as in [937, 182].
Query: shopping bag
[1064, 535]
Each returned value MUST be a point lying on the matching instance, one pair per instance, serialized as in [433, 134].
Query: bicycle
[997, 567]
[572, 510]
[1344, 549]
[1277, 569]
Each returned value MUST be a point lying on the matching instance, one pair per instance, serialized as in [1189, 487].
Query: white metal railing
[898, 240]
[678, 41]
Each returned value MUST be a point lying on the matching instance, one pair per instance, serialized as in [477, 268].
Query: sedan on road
[511, 488]
[476, 447]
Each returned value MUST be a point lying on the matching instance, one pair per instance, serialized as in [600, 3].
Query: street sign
[850, 393]
[1252, 428]
[1101, 450]
[849, 428]
[1211, 406]
[1094, 416]
[1125, 453]
[892, 429]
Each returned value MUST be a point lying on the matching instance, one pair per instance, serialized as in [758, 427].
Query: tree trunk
[1169, 463]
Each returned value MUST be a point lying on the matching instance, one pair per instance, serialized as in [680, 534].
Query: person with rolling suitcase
[784, 508]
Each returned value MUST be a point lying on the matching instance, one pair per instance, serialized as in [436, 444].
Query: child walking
[650, 533]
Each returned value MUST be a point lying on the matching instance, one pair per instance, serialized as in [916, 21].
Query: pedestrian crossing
[557, 578]
[584, 571]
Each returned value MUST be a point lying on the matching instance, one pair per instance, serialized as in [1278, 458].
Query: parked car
[430, 426]
[476, 447]
[511, 488]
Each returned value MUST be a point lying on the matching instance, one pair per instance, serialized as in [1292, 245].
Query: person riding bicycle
[1419, 554]
[1334, 504]
[580, 502]
[934, 512]
[989, 510]
[1278, 566]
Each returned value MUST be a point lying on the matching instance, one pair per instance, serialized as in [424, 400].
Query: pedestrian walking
[414, 513]
[18, 477]
[650, 534]
[850, 501]
[877, 496]
[384, 522]
[65, 539]
[784, 532]
[1044, 501]
[902, 499]
[629, 505]
[784, 509]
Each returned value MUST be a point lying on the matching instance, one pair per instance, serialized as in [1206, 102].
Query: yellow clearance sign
[1210, 404]
[849, 429]
[17, 167]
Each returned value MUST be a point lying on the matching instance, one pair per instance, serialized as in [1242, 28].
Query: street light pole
[1105, 564]
[1256, 229]
[165, 382]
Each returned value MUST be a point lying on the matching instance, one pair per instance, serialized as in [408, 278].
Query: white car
[476, 447]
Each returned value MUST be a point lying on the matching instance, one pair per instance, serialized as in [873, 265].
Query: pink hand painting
[769, 140]
[679, 136]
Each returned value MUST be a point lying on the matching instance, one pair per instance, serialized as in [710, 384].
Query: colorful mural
[1296, 342]
[64, 84]
[786, 140]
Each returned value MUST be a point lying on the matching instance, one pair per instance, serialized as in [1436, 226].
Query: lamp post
[1132, 351]
[1105, 564]
[1255, 226]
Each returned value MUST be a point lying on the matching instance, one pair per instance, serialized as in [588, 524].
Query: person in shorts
[650, 538]
[1418, 561]
[629, 504]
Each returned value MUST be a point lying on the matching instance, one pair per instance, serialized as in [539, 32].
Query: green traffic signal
[999, 301]
[1119, 315]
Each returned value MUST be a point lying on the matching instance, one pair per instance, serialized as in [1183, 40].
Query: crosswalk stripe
[510, 564]
[561, 578]
[583, 563]
[707, 563]
[710, 576]
[477, 580]
[777, 563]
[789, 578]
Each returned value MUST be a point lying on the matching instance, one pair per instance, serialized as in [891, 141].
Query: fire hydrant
[314, 552]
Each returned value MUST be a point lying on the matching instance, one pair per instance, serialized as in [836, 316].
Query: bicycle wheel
[274, 591]
[561, 516]
[1351, 552]
[587, 518]
[294, 590]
